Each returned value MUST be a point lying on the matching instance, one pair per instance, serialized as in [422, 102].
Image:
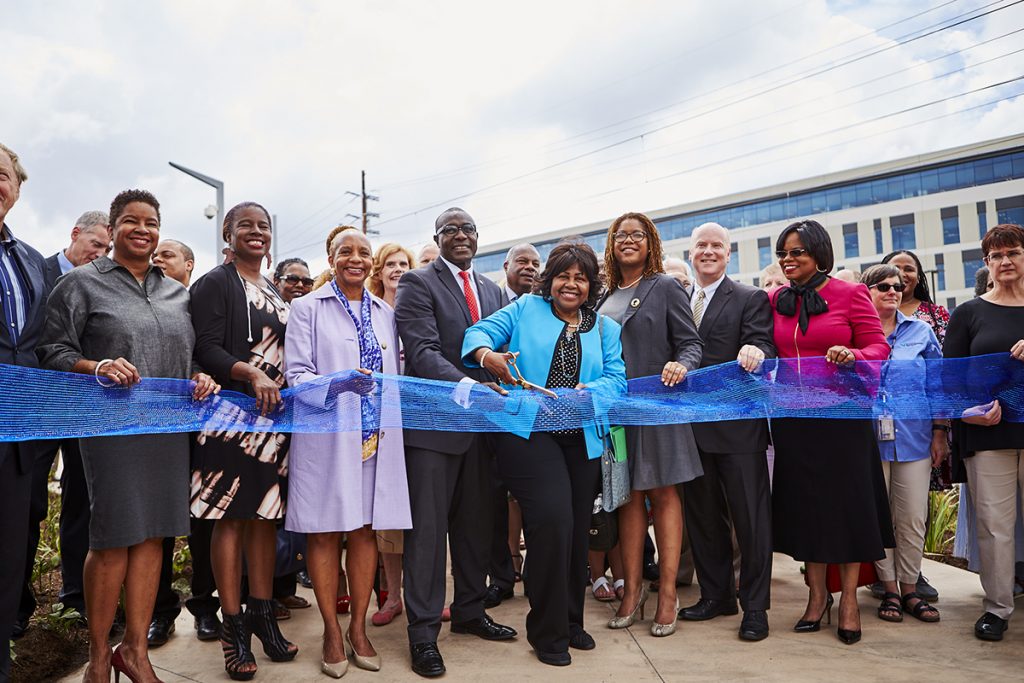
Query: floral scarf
[370, 358]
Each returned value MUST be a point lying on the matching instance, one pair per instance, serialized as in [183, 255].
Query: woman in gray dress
[658, 338]
[120, 319]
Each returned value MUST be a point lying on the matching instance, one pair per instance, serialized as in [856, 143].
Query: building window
[734, 261]
[940, 273]
[764, 251]
[982, 220]
[757, 282]
[1011, 210]
[950, 225]
[851, 243]
[972, 262]
[950, 303]
[878, 236]
[903, 232]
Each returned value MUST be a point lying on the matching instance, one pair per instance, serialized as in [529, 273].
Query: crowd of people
[388, 505]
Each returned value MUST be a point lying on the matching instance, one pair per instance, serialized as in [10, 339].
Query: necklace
[632, 283]
[572, 328]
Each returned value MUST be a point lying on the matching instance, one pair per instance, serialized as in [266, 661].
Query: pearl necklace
[632, 283]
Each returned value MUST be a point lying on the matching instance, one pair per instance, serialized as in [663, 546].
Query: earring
[820, 270]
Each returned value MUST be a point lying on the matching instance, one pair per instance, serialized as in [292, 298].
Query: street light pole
[218, 185]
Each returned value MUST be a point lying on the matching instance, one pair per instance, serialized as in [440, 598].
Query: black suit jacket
[32, 266]
[51, 271]
[737, 315]
[432, 317]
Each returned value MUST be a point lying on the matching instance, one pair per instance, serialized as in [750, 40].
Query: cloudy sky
[533, 116]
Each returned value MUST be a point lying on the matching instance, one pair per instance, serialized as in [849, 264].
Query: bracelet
[96, 372]
[940, 428]
[484, 355]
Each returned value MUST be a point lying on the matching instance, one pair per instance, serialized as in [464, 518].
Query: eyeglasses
[295, 279]
[636, 237]
[884, 287]
[791, 253]
[998, 256]
[448, 230]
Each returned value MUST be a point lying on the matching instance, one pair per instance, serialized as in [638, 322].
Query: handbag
[604, 529]
[615, 485]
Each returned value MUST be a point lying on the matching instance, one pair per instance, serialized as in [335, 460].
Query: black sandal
[890, 605]
[922, 610]
[235, 640]
[259, 618]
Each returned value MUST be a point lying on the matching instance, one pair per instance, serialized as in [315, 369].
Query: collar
[710, 289]
[105, 264]
[456, 270]
[512, 296]
[7, 238]
[63, 262]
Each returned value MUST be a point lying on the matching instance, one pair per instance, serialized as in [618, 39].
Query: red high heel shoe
[344, 602]
[117, 661]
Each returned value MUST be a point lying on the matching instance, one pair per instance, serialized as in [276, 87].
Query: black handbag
[604, 528]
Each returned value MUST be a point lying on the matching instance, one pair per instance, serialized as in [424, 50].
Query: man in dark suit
[451, 489]
[735, 323]
[23, 296]
[90, 239]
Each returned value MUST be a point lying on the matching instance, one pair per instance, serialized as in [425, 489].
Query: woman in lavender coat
[349, 481]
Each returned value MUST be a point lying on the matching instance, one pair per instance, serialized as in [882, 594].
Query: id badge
[886, 428]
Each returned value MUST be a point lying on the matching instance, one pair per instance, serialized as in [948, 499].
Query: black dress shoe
[708, 609]
[160, 629]
[485, 628]
[426, 660]
[581, 640]
[495, 595]
[989, 627]
[925, 589]
[19, 628]
[207, 627]
[302, 578]
[554, 658]
[754, 625]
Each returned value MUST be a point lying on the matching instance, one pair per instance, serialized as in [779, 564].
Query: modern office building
[939, 205]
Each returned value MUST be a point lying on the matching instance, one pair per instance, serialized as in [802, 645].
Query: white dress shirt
[709, 292]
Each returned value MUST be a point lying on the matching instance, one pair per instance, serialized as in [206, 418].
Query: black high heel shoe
[848, 637]
[805, 626]
[259, 618]
[235, 641]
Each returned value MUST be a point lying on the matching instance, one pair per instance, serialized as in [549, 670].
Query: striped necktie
[698, 308]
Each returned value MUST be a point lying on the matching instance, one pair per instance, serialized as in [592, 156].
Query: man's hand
[750, 358]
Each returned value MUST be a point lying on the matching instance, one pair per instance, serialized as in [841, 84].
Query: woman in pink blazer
[349, 481]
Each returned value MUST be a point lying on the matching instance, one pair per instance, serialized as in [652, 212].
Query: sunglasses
[791, 253]
[884, 287]
[295, 279]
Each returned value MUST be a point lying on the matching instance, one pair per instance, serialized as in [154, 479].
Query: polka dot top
[565, 361]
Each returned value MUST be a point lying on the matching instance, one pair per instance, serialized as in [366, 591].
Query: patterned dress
[938, 318]
[238, 474]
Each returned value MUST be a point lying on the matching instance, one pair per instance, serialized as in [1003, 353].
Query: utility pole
[219, 212]
[365, 198]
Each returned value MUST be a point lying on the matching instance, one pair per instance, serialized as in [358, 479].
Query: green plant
[942, 512]
[181, 559]
[61, 620]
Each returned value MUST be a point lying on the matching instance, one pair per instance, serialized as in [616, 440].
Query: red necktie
[474, 310]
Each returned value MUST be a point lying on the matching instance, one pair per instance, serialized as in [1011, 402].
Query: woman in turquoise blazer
[563, 343]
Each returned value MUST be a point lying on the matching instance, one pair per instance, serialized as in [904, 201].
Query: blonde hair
[384, 252]
[19, 170]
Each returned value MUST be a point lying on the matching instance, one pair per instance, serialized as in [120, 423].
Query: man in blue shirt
[22, 297]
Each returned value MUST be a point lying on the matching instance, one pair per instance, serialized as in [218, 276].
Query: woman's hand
[840, 355]
[673, 373]
[989, 418]
[119, 371]
[496, 364]
[940, 447]
[205, 386]
[1018, 350]
[268, 395]
[750, 358]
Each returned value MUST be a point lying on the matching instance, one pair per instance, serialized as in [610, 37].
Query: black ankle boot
[235, 640]
[259, 617]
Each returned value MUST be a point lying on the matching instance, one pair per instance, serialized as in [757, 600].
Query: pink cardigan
[851, 321]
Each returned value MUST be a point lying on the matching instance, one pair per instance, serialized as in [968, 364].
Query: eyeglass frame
[467, 229]
[623, 237]
[998, 256]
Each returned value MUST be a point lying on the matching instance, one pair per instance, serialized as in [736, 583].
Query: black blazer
[432, 317]
[51, 271]
[737, 315]
[32, 267]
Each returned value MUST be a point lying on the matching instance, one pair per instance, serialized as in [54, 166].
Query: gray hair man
[90, 239]
[522, 265]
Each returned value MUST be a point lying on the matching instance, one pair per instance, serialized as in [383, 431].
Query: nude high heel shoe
[368, 663]
[627, 621]
[661, 630]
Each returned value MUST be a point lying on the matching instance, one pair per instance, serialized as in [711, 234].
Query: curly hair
[564, 256]
[384, 252]
[232, 216]
[281, 265]
[123, 199]
[655, 260]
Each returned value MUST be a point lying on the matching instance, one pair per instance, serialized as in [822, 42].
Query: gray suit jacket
[737, 315]
[432, 317]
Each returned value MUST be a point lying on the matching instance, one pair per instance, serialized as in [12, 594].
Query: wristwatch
[944, 428]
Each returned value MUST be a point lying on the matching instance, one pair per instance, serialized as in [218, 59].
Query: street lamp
[210, 211]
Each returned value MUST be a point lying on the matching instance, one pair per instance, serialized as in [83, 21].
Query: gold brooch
[635, 303]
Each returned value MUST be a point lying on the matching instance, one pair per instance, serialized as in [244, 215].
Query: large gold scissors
[521, 381]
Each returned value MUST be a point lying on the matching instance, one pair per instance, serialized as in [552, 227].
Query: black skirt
[829, 501]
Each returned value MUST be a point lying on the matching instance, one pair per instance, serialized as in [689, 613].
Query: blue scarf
[370, 358]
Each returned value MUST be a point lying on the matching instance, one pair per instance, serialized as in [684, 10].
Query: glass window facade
[733, 266]
[972, 261]
[1010, 210]
[851, 242]
[950, 225]
[952, 175]
[940, 272]
[982, 220]
[764, 251]
[877, 225]
[902, 228]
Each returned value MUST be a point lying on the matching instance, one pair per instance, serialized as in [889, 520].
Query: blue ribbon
[41, 404]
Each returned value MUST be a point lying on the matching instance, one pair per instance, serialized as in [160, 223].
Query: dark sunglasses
[884, 287]
[294, 279]
[792, 253]
[449, 230]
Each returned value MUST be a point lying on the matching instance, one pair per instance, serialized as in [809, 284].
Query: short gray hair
[877, 273]
[90, 219]
[19, 170]
[519, 247]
